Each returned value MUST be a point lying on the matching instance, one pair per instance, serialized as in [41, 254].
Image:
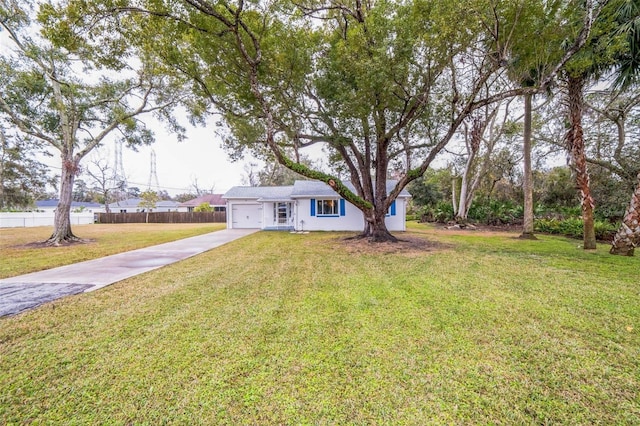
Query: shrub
[204, 207]
[573, 227]
[443, 212]
[496, 213]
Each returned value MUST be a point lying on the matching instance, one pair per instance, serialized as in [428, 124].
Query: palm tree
[575, 147]
[599, 56]
[627, 75]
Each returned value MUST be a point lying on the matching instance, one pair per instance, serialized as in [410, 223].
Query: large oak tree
[73, 101]
[379, 85]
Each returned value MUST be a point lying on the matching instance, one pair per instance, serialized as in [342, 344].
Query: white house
[76, 206]
[306, 205]
[132, 205]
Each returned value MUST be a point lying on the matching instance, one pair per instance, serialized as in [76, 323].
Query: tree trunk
[527, 180]
[62, 220]
[575, 146]
[463, 203]
[454, 197]
[375, 228]
[377, 232]
[628, 235]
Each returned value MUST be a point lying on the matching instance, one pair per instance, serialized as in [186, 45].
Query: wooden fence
[162, 217]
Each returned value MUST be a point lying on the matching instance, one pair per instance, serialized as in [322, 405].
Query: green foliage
[22, 178]
[556, 187]
[573, 227]
[149, 199]
[59, 88]
[611, 194]
[203, 207]
[373, 82]
[496, 212]
[441, 212]
[605, 44]
[432, 188]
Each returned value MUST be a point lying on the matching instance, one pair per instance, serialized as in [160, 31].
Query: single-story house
[132, 205]
[214, 200]
[52, 204]
[304, 206]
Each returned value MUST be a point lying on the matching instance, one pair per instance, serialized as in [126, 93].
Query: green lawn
[280, 328]
[19, 257]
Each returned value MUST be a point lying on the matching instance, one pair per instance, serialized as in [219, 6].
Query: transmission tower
[153, 175]
[119, 175]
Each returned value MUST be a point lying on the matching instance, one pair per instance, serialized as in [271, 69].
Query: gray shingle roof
[259, 192]
[129, 202]
[313, 188]
[300, 189]
[54, 203]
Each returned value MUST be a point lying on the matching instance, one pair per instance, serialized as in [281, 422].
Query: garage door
[246, 216]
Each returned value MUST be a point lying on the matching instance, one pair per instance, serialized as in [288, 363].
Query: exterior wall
[162, 209]
[302, 219]
[398, 221]
[130, 209]
[31, 219]
[268, 219]
[352, 220]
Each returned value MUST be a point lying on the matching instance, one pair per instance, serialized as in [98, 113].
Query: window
[392, 209]
[327, 208]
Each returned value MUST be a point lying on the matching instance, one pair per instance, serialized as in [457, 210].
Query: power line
[184, 188]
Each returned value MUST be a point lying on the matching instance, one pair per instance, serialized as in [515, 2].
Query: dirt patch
[486, 230]
[407, 245]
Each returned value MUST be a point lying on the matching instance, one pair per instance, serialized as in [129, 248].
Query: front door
[282, 213]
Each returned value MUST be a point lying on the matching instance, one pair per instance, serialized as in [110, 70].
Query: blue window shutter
[393, 208]
[313, 207]
[343, 209]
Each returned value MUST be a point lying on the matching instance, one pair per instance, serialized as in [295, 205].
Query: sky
[178, 164]
[200, 158]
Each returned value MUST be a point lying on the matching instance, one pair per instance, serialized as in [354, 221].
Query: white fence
[29, 219]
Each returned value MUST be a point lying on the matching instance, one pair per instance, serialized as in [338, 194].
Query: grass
[278, 328]
[20, 258]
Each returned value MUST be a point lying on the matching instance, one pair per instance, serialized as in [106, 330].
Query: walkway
[24, 292]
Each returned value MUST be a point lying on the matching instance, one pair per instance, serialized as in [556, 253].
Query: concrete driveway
[24, 292]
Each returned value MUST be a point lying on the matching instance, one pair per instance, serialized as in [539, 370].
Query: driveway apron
[24, 292]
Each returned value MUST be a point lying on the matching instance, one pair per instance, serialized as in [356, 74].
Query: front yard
[280, 328]
[20, 255]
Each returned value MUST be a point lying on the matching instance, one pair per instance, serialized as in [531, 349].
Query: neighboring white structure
[132, 205]
[76, 206]
[81, 214]
[306, 205]
[45, 218]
